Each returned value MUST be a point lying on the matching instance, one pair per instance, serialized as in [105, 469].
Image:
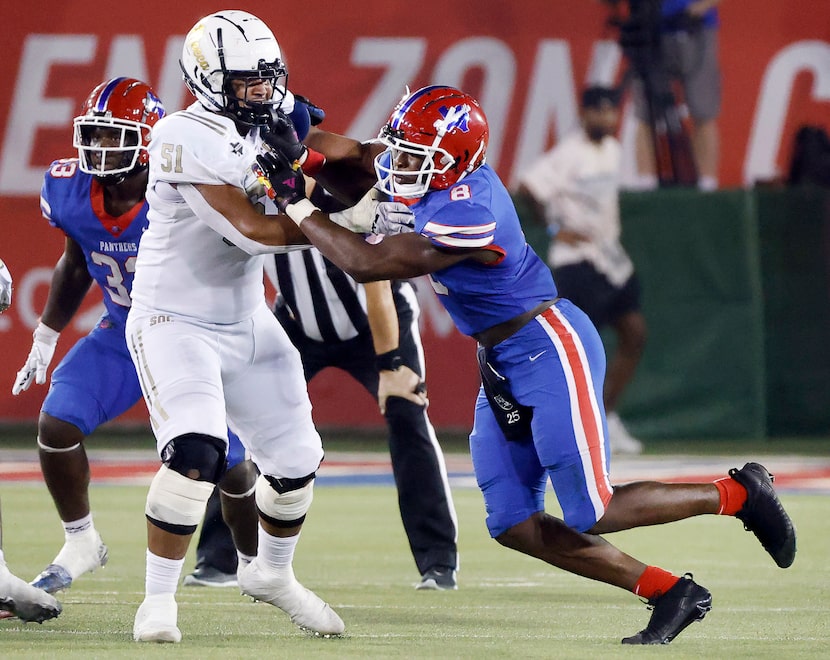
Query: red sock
[732, 496]
[654, 582]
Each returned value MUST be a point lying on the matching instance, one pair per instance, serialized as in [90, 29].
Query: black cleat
[763, 515]
[683, 604]
[441, 578]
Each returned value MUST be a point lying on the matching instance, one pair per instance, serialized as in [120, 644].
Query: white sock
[162, 576]
[75, 528]
[244, 559]
[276, 552]
[2, 559]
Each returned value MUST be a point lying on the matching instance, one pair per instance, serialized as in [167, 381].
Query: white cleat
[156, 620]
[23, 600]
[621, 441]
[80, 555]
[282, 590]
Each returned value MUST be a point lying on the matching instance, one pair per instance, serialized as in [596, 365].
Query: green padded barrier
[702, 373]
[736, 292]
[794, 229]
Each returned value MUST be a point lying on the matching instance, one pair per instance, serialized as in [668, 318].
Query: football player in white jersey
[207, 349]
[16, 597]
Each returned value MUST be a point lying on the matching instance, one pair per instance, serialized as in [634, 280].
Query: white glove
[393, 218]
[360, 217]
[370, 216]
[5, 287]
[43, 348]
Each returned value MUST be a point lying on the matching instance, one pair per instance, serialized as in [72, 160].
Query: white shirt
[188, 260]
[578, 182]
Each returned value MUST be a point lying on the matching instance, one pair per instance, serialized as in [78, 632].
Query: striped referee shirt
[327, 303]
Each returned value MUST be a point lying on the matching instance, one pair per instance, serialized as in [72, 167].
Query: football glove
[283, 180]
[43, 348]
[281, 136]
[393, 218]
[358, 218]
[5, 287]
[370, 216]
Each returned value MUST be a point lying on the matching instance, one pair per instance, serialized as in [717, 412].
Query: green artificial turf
[354, 554]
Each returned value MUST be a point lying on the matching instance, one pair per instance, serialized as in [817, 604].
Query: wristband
[312, 162]
[389, 361]
[300, 211]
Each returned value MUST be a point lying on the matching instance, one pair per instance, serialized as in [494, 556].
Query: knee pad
[284, 502]
[196, 456]
[175, 503]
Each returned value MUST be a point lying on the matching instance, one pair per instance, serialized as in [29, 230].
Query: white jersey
[578, 182]
[188, 261]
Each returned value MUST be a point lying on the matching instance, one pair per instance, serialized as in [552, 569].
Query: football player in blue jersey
[539, 414]
[97, 200]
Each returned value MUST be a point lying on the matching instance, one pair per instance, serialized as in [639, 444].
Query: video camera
[639, 24]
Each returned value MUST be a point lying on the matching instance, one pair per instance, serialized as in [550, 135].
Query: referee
[371, 332]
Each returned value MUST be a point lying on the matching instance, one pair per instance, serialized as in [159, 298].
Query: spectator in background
[574, 189]
[688, 48]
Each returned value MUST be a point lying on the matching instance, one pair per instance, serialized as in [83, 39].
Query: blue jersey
[479, 213]
[73, 202]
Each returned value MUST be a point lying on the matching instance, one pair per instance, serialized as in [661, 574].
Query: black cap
[596, 96]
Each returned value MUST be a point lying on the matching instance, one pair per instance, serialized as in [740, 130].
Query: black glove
[287, 182]
[315, 112]
[282, 137]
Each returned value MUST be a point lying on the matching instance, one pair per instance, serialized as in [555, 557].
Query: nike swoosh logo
[533, 358]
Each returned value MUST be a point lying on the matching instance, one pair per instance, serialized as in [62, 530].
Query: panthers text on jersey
[74, 203]
[477, 212]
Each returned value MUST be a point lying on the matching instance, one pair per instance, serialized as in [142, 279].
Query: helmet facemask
[435, 161]
[113, 130]
[444, 129]
[249, 112]
[109, 147]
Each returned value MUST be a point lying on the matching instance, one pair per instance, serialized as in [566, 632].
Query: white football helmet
[231, 45]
